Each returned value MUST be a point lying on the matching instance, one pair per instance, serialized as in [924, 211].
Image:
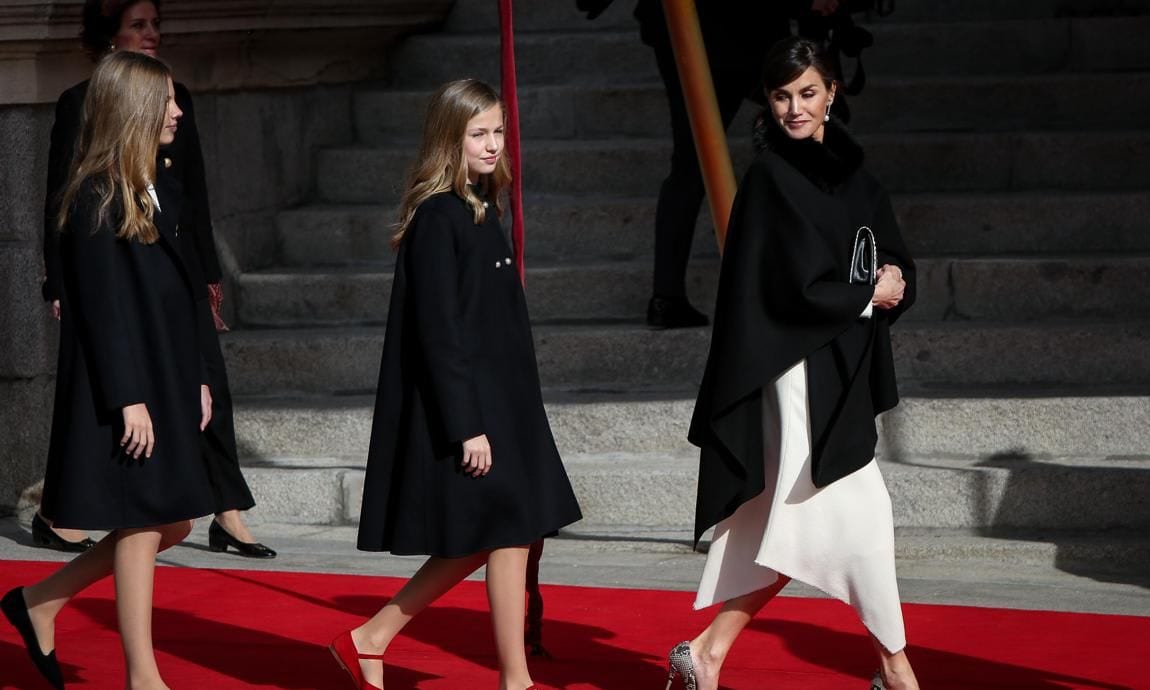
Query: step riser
[969, 289]
[389, 118]
[624, 228]
[925, 353]
[1030, 47]
[1102, 427]
[480, 16]
[924, 163]
[1046, 496]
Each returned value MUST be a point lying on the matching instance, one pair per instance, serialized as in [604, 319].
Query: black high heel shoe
[43, 535]
[219, 539]
[16, 611]
[679, 663]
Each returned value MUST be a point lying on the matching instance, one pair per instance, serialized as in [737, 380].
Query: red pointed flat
[347, 656]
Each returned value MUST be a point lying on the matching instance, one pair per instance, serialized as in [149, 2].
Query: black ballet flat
[219, 539]
[16, 611]
[44, 536]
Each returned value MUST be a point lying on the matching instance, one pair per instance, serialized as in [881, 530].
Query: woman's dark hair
[102, 22]
[792, 56]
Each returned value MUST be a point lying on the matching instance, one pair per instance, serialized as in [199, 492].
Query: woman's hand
[205, 407]
[54, 308]
[139, 438]
[889, 289]
[477, 456]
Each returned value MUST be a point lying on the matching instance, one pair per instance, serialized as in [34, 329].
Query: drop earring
[827, 117]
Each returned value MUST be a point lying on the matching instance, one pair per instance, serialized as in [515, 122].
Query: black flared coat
[129, 333]
[784, 296]
[459, 361]
[182, 161]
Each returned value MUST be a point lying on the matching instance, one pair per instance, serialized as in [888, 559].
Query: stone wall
[268, 94]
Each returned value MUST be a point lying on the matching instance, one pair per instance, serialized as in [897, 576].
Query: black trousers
[218, 442]
[737, 36]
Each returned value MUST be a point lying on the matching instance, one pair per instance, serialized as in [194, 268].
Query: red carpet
[219, 630]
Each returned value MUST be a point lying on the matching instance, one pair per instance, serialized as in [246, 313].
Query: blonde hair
[124, 115]
[442, 164]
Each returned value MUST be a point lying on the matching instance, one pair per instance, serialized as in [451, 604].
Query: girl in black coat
[800, 364]
[462, 465]
[131, 392]
[135, 25]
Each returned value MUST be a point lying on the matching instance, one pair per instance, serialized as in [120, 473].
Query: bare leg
[135, 566]
[47, 597]
[428, 584]
[233, 522]
[710, 648]
[895, 668]
[506, 593]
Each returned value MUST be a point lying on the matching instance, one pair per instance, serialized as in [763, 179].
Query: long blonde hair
[124, 115]
[442, 164]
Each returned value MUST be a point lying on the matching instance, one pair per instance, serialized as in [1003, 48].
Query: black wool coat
[784, 296]
[129, 333]
[183, 161]
[459, 361]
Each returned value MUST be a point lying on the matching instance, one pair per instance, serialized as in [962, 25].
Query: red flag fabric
[511, 136]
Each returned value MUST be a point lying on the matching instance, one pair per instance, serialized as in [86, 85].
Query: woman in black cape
[462, 465]
[800, 364]
[134, 25]
[131, 392]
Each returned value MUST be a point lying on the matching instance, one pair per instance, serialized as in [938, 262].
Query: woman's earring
[827, 117]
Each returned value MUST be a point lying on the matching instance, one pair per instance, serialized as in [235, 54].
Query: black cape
[783, 297]
[459, 361]
[129, 333]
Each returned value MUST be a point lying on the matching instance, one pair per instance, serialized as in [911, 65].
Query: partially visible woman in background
[134, 25]
[131, 393]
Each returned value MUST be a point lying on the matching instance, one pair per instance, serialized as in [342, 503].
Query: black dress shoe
[674, 312]
[43, 535]
[219, 539]
[16, 611]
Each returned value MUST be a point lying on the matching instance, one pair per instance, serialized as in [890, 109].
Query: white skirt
[839, 538]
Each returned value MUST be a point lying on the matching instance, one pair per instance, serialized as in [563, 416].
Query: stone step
[1007, 289]
[563, 228]
[1032, 46]
[991, 10]
[481, 16]
[941, 162]
[590, 111]
[984, 425]
[346, 360]
[658, 489]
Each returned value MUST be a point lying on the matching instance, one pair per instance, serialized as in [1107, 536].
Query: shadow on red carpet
[219, 630]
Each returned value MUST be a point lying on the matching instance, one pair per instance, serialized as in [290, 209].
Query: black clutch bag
[864, 258]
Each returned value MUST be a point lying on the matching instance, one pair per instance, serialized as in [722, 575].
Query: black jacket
[783, 297]
[184, 162]
[129, 333]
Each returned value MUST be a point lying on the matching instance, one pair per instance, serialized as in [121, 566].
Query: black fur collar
[826, 165]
